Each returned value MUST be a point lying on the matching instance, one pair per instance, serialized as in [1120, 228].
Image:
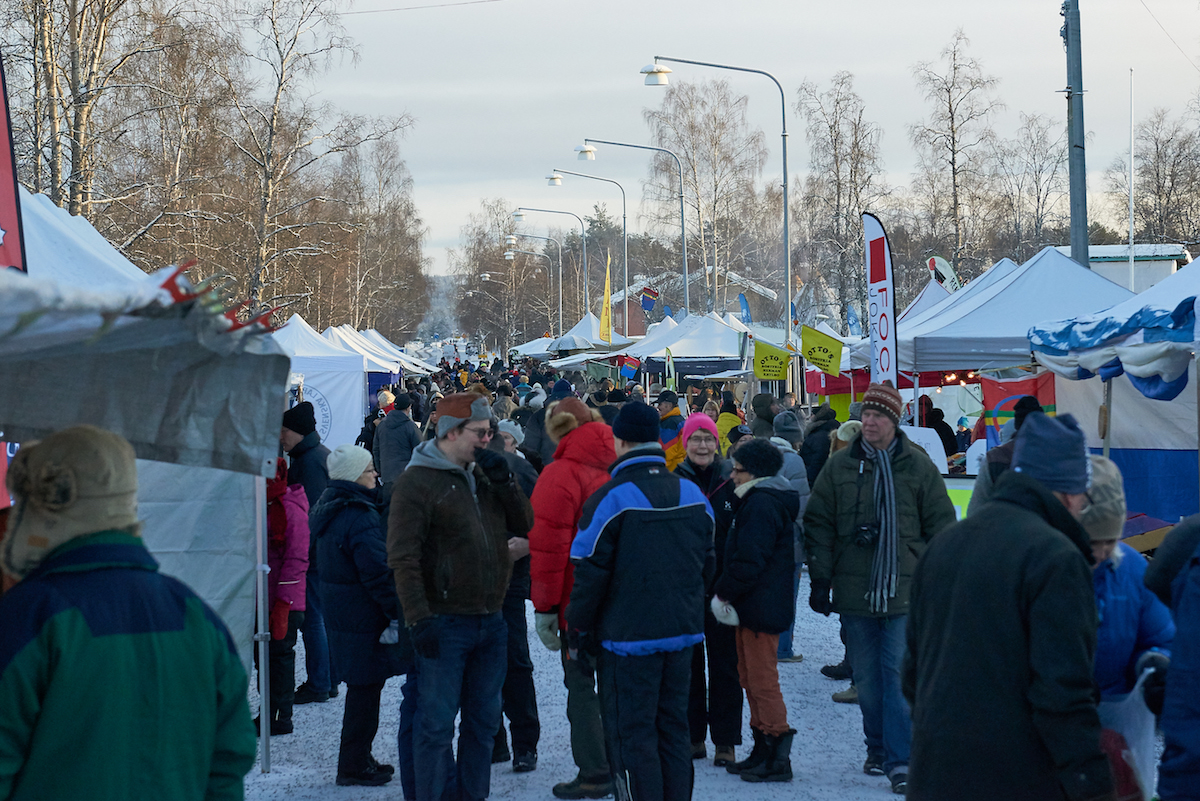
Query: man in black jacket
[306, 467]
[643, 558]
[395, 440]
[1002, 635]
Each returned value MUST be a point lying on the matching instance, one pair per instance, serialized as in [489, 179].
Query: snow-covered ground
[827, 754]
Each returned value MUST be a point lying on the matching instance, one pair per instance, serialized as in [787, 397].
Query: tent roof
[534, 347]
[68, 249]
[927, 298]
[298, 339]
[407, 360]
[376, 361]
[985, 325]
[589, 329]
[706, 338]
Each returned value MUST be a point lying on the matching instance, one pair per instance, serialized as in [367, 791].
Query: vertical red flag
[12, 240]
[881, 300]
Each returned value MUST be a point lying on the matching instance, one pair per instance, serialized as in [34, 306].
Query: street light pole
[588, 153]
[656, 75]
[624, 232]
[518, 216]
[510, 255]
[560, 272]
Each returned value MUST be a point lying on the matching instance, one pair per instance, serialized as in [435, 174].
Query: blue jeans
[316, 645]
[785, 639]
[467, 677]
[876, 648]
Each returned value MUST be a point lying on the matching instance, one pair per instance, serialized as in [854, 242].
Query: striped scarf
[883, 567]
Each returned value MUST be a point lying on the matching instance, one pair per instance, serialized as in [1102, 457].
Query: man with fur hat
[874, 508]
[449, 554]
[643, 559]
[116, 681]
[306, 467]
[1002, 636]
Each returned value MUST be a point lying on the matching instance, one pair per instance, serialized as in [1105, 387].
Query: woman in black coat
[360, 604]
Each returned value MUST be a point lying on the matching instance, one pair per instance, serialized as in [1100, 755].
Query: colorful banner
[649, 298]
[12, 239]
[853, 324]
[881, 300]
[821, 350]
[745, 308]
[606, 309]
[670, 379]
[1000, 396]
[770, 362]
[629, 366]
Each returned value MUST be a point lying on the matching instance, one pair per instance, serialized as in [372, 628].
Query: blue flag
[853, 324]
[745, 309]
[667, 310]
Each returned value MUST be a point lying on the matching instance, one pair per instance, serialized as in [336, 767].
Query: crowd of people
[660, 537]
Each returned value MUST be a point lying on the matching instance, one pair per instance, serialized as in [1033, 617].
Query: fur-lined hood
[559, 423]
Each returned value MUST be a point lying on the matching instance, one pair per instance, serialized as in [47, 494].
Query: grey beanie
[513, 429]
[1053, 450]
[787, 426]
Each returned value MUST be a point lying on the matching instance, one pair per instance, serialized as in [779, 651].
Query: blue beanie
[562, 388]
[636, 422]
[1053, 451]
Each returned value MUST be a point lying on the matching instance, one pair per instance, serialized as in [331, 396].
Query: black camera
[867, 535]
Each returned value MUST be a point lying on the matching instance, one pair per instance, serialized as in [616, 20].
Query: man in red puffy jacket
[580, 467]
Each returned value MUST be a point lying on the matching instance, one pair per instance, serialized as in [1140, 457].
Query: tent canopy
[376, 361]
[409, 362]
[701, 344]
[69, 250]
[926, 299]
[334, 380]
[1150, 336]
[589, 329]
[986, 324]
[534, 347]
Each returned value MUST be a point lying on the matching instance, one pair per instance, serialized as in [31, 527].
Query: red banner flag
[12, 241]
[881, 300]
[1000, 396]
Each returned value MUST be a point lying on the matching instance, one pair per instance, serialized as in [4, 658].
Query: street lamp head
[656, 74]
[585, 153]
[510, 240]
[554, 179]
[518, 216]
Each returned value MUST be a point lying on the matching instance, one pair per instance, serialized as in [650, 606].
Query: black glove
[1155, 687]
[819, 599]
[425, 638]
[581, 642]
[493, 465]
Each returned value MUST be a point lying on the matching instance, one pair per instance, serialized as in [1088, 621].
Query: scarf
[883, 566]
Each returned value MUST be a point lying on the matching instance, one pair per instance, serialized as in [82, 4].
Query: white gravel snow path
[827, 754]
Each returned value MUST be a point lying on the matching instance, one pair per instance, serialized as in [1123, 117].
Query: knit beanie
[513, 429]
[787, 426]
[301, 419]
[347, 462]
[636, 422]
[694, 424]
[562, 388]
[1053, 451]
[402, 402]
[384, 399]
[854, 412]
[461, 407]
[737, 432]
[883, 398]
[75, 482]
[1104, 517]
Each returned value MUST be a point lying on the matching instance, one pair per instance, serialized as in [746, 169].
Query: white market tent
[68, 250]
[704, 346]
[589, 329]
[660, 333]
[376, 361]
[534, 348]
[986, 324]
[932, 294]
[334, 380]
[409, 362]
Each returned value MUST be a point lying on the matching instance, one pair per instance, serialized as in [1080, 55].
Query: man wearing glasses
[453, 510]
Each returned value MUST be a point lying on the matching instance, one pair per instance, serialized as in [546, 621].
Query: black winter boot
[778, 765]
[758, 754]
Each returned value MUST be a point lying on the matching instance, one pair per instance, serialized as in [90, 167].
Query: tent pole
[1108, 416]
[262, 636]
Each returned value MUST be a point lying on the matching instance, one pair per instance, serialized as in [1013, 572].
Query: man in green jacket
[874, 508]
[116, 682]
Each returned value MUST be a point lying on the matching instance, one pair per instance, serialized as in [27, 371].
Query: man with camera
[873, 509]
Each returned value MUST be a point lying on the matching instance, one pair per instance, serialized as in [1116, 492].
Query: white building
[1151, 263]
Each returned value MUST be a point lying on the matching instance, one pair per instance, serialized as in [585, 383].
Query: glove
[819, 599]
[724, 612]
[1154, 688]
[425, 638]
[547, 629]
[279, 619]
[493, 465]
[580, 641]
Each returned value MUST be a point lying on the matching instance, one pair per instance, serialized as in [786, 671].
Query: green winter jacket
[117, 682]
[843, 500]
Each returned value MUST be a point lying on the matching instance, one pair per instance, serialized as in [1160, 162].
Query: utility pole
[1076, 164]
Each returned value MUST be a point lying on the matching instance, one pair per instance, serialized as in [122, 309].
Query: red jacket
[580, 467]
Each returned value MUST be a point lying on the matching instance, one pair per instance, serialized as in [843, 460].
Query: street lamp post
[656, 75]
[519, 216]
[556, 180]
[511, 241]
[510, 255]
[588, 153]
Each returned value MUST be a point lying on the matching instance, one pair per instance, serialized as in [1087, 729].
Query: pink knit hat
[695, 422]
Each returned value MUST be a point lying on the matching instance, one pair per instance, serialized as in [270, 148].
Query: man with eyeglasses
[1002, 636]
[453, 510]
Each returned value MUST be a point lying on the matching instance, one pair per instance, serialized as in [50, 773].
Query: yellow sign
[606, 310]
[821, 350]
[770, 362]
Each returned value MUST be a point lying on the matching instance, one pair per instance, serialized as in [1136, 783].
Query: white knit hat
[347, 462]
[513, 428]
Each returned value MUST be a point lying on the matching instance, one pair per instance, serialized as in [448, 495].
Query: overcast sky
[503, 90]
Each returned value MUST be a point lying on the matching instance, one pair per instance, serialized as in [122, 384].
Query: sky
[503, 90]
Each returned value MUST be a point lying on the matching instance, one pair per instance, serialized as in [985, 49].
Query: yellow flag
[606, 311]
[821, 350]
[770, 362]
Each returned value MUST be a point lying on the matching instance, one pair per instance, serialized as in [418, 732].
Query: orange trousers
[759, 675]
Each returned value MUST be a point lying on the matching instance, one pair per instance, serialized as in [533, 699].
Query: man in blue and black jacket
[643, 559]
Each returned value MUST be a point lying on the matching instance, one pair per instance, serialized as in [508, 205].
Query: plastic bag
[1128, 716]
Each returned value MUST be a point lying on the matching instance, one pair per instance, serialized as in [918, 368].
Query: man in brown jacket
[453, 510]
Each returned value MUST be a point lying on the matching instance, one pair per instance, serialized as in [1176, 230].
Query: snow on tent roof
[589, 329]
[987, 326]
[69, 250]
[377, 362]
